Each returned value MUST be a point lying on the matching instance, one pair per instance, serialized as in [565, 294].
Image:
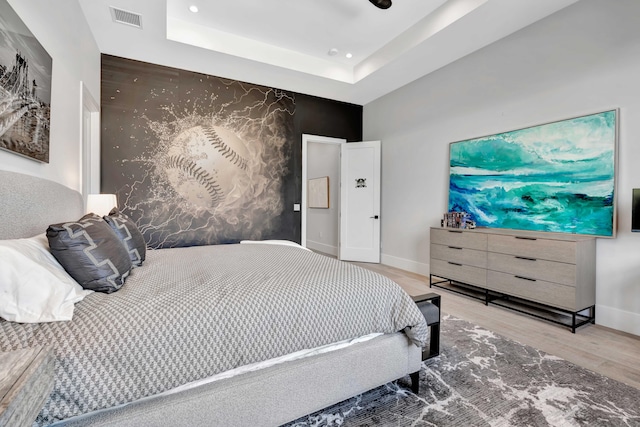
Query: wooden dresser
[26, 379]
[554, 271]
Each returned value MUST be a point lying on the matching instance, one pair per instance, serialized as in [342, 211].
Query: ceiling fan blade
[382, 4]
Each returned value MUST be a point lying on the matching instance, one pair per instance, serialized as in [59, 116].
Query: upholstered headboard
[28, 205]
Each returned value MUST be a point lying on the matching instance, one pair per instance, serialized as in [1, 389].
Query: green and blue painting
[556, 177]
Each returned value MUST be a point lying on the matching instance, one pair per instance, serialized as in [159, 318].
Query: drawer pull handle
[454, 231]
[454, 263]
[525, 238]
[525, 258]
[455, 247]
[526, 278]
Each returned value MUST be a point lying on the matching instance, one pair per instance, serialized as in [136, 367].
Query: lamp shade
[101, 204]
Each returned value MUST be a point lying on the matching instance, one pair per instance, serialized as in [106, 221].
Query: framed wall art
[25, 89]
[319, 193]
[555, 177]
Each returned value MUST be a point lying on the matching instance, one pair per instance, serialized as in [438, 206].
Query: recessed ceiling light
[333, 52]
[349, 55]
[193, 8]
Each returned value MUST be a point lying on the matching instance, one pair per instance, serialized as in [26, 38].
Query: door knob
[374, 217]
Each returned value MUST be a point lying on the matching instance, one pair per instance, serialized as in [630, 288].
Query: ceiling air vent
[126, 17]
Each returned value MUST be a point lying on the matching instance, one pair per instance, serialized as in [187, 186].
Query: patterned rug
[484, 379]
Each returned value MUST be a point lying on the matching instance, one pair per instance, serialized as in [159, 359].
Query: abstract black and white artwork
[195, 159]
[25, 89]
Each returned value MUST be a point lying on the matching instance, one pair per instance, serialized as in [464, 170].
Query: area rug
[484, 379]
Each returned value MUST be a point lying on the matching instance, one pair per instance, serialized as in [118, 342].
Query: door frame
[306, 139]
[90, 143]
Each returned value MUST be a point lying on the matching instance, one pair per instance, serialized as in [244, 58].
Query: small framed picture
[319, 193]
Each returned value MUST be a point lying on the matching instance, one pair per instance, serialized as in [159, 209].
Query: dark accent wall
[326, 117]
[198, 159]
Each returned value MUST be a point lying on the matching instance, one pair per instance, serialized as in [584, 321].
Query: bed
[245, 334]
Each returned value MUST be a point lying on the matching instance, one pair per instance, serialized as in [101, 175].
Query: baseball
[205, 163]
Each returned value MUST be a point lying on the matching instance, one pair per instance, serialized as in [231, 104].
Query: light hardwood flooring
[612, 353]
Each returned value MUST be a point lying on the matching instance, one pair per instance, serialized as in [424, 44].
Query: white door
[360, 202]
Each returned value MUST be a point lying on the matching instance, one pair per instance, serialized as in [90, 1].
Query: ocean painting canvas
[555, 177]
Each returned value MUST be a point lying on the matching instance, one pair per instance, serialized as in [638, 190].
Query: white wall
[583, 59]
[322, 224]
[61, 29]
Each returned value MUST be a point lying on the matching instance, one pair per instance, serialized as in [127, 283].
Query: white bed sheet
[271, 362]
[273, 242]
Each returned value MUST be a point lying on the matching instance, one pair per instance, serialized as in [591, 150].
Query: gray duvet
[189, 313]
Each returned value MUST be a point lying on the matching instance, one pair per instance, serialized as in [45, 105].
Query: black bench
[429, 305]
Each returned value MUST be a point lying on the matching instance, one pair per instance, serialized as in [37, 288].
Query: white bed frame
[268, 397]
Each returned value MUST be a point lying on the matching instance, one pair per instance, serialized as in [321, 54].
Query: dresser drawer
[540, 291]
[553, 250]
[469, 240]
[551, 271]
[462, 273]
[459, 255]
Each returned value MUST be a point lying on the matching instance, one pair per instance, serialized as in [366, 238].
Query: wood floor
[600, 349]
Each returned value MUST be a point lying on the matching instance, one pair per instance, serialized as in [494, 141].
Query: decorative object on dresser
[26, 379]
[547, 275]
[457, 220]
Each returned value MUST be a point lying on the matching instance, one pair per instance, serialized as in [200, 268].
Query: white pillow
[33, 285]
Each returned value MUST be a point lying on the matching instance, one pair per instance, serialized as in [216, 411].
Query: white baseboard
[405, 264]
[322, 247]
[615, 318]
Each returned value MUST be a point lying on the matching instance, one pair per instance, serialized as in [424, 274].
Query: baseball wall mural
[207, 166]
[197, 159]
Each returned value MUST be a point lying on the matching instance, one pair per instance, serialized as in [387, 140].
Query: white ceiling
[286, 43]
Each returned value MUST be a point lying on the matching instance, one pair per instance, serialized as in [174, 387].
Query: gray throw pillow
[91, 253]
[129, 234]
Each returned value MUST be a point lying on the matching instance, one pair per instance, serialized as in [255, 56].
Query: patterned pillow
[91, 253]
[127, 231]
